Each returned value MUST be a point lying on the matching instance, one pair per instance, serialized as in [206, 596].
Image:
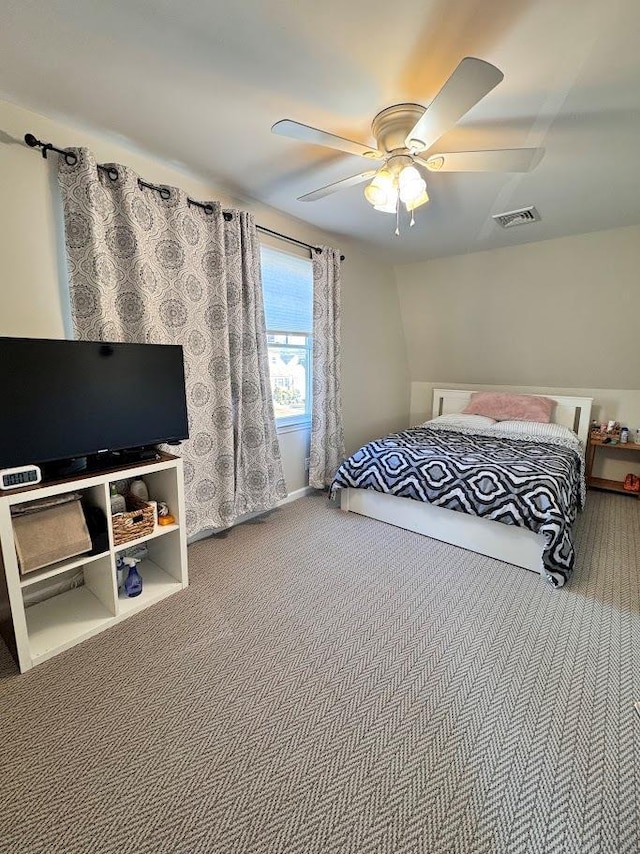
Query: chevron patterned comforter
[531, 483]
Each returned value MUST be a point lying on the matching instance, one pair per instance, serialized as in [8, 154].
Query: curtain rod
[71, 159]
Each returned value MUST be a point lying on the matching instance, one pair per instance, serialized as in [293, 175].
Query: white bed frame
[507, 543]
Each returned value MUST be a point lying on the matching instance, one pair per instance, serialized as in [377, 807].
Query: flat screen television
[63, 400]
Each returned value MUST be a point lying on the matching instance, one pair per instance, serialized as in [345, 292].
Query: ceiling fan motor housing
[397, 162]
[391, 126]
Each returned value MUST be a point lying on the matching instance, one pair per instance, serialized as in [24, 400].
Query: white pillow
[536, 428]
[459, 419]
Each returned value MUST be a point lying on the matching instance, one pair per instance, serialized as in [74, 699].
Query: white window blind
[287, 283]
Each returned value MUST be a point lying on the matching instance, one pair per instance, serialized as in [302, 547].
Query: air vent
[520, 217]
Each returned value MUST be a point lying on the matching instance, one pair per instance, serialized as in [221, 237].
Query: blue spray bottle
[133, 581]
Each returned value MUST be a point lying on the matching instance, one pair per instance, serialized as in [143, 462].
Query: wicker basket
[138, 521]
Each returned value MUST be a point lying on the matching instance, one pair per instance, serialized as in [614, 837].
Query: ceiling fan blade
[500, 160]
[339, 185]
[305, 133]
[469, 83]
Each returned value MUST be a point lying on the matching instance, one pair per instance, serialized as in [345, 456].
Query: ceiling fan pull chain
[398, 217]
[413, 220]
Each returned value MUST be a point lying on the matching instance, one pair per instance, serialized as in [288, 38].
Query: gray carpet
[329, 683]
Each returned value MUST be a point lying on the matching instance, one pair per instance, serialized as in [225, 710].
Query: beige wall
[561, 315]
[33, 299]
[557, 313]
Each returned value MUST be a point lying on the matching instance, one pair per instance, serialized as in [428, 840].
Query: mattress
[534, 482]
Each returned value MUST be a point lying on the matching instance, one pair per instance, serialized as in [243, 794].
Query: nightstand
[602, 483]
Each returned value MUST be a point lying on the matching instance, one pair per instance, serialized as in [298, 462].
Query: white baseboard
[297, 493]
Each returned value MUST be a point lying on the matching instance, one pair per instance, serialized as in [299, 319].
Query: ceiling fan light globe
[416, 203]
[412, 190]
[391, 203]
[385, 208]
[410, 183]
[381, 189]
[383, 178]
[408, 175]
[375, 194]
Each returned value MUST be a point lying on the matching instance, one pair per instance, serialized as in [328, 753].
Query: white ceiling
[201, 83]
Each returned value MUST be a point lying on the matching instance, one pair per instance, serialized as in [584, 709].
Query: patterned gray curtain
[327, 441]
[146, 266]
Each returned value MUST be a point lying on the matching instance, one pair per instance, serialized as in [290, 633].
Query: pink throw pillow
[510, 407]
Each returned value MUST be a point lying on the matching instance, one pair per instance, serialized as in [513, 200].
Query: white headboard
[572, 412]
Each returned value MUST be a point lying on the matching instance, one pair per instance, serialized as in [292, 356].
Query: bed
[530, 547]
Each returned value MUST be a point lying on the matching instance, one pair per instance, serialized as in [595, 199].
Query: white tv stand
[40, 631]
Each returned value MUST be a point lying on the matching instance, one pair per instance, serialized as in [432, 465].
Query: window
[287, 284]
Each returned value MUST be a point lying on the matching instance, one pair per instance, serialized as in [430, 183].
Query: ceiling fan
[405, 133]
